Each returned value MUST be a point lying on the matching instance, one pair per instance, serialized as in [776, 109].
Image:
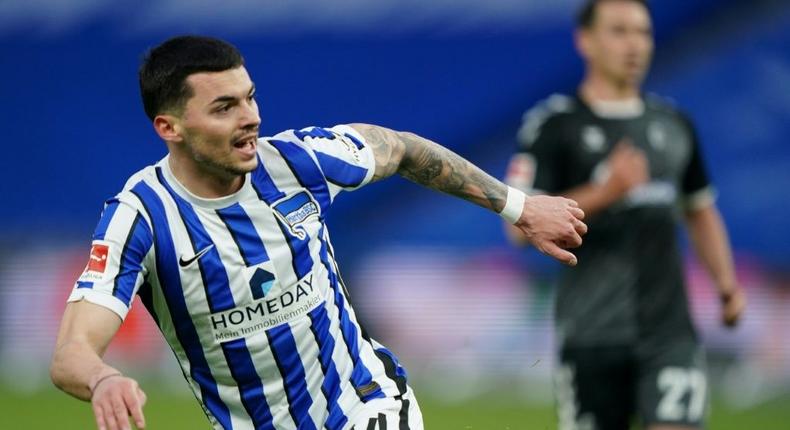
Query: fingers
[560, 254]
[573, 240]
[115, 400]
[134, 404]
[141, 395]
[98, 413]
[580, 227]
[106, 415]
[576, 212]
[733, 307]
[121, 413]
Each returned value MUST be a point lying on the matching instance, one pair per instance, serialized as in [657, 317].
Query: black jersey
[628, 284]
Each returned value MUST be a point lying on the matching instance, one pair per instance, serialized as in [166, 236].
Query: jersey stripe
[339, 172]
[243, 232]
[392, 369]
[250, 385]
[264, 185]
[331, 386]
[284, 350]
[138, 242]
[106, 217]
[220, 298]
[360, 375]
[356, 141]
[190, 259]
[306, 172]
[146, 297]
[168, 274]
[267, 191]
[404, 415]
[215, 278]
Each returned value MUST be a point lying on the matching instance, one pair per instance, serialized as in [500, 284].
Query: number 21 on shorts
[682, 394]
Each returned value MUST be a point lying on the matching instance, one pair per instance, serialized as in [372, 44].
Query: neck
[204, 181]
[595, 87]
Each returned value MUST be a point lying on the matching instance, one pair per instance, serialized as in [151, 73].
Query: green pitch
[51, 409]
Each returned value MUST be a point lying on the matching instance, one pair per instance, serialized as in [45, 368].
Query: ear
[168, 128]
[581, 39]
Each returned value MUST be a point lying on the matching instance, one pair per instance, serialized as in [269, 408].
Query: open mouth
[247, 145]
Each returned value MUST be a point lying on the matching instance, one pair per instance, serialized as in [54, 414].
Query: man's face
[220, 122]
[619, 43]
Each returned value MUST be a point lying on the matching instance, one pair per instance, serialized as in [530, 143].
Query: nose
[250, 116]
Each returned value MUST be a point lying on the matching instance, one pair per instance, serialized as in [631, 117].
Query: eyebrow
[225, 99]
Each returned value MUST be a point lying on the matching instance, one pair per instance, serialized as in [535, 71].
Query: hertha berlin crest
[294, 211]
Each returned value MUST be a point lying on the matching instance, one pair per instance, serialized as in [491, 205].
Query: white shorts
[399, 413]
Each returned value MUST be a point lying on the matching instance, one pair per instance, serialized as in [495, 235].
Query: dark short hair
[165, 68]
[586, 15]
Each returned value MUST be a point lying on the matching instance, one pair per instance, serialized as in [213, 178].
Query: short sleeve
[696, 187]
[115, 269]
[535, 167]
[343, 155]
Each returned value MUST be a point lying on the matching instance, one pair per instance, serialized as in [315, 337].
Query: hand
[733, 303]
[553, 224]
[115, 398]
[628, 168]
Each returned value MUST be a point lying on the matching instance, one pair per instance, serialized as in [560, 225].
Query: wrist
[514, 205]
[613, 190]
[726, 293]
[106, 373]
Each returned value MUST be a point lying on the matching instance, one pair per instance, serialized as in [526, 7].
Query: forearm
[85, 333]
[592, 197]
[76, 368]
[429, 164]
[709, 238]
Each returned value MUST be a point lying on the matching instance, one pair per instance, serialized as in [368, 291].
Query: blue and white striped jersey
[245, 288]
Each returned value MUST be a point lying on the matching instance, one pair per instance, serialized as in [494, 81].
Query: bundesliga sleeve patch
[521, 172]
[97, 262]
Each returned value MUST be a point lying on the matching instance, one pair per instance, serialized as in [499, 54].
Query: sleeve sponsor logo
[351, 144]
[352, 150]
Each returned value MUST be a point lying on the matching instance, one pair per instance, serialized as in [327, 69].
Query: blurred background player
[627, 346]
[224, 240]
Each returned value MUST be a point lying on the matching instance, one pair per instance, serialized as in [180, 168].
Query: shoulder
[145, 174]
[666, 106]
[304, 138]
[138, 186]
[320, 140]
[546, 115]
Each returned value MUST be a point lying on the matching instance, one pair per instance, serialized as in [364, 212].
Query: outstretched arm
[709, 237]
[77, 367]
[549, 223]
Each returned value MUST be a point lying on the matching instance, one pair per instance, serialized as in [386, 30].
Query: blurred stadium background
[433, 277]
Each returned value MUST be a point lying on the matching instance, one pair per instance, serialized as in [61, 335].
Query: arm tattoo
[427, 163]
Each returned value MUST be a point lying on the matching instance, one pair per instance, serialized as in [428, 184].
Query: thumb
[565, 257]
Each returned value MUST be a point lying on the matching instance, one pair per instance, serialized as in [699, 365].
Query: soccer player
[225, 242]
[627, 347]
